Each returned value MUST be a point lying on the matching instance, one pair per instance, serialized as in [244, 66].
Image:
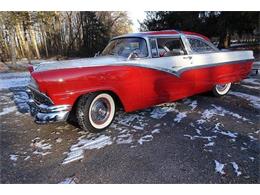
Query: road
[201, 139]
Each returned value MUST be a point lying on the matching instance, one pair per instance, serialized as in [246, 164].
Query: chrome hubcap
[100, 111]
[221, 87]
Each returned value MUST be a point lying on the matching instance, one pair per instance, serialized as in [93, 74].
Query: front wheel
[221, 89]
[95, 111]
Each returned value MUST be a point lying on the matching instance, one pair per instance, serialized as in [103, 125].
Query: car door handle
[187, 57]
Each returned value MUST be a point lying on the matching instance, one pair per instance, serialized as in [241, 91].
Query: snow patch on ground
[209, 138]
[160, 111]
[155, 131]
[235, 166]
[209, 144]
[77, 150]
[58, 140]
[8, 80]
[251, 81]
[8, 110]
[219, 167]
[145, 138]
[180, 116]
[70, 180]
[13, 157]
[254, 100]
[251, 87]
[193, 104]
[41, 147]
[219, 111]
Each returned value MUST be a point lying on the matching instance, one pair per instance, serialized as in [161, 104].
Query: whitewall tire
[95, 112]
[221, 89]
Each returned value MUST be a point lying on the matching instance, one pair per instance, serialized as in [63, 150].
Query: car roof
[163, 32]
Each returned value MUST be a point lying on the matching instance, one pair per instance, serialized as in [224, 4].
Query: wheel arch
[115, 96]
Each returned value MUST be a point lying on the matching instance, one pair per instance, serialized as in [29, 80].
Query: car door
[166, 80]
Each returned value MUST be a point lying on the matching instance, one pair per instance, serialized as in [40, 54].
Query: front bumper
[44, 113]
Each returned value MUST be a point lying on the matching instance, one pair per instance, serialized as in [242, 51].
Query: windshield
[125, 46]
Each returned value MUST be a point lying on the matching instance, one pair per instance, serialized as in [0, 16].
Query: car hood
[85, 62]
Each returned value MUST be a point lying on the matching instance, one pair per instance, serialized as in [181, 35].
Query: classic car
[134, 71]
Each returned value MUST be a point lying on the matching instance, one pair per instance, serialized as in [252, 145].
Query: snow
[59, 140]
[160, 111]
[41, 147]
[155, 131]
[8, 80]
[145, 138]
[251, 81]
[193, 104]
[13, 157]
[180, 116]
[219, 167]
[8, 110]
[77, 150]
[254, 100]
[70, 180]
[126, 139]
[201, 121]
[209, 144]
[251, 87]
[219, 111]
[209, 138]
[235, 166]
[228, 133]
[252, 138]
[27, 158]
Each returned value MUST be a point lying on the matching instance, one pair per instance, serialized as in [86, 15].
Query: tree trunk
[44, 39]
[20, 39]
[34, 43]
[224, 40]
[12, 47]
[33, 38]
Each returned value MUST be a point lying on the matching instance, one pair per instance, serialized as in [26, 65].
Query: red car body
[141, 83]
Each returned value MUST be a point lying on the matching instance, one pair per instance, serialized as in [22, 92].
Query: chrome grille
[39, 97]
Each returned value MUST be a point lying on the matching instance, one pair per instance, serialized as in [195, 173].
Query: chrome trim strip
[182, 69]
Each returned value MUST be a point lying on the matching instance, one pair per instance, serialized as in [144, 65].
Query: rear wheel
[96, 111]
[221, 89]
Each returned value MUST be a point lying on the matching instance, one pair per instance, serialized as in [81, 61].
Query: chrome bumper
[43, 113]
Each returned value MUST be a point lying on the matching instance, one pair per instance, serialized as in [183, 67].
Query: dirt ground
[201, 139]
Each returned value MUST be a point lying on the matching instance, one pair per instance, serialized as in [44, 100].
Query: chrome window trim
[144, 38]
[177, 36]
[183, 37]
[156, 45]
[204, 41]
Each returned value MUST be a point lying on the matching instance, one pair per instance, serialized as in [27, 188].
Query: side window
[170, 47]
[154, 50]
[200, 46]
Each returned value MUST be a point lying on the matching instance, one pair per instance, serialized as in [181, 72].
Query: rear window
[201, 46]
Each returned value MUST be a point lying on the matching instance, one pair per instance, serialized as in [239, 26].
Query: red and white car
[135, 71]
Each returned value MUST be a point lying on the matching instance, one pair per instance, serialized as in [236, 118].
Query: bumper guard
[44, 113]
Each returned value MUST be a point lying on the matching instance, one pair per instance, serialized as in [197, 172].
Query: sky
[135, 16]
